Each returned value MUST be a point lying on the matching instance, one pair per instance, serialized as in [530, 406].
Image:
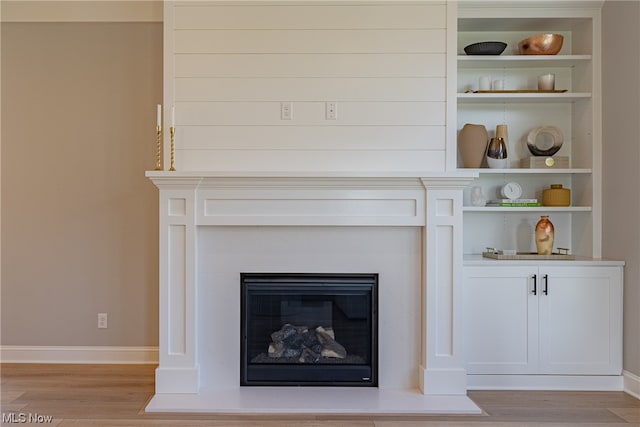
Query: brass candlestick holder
[172, 132]
[159, 148]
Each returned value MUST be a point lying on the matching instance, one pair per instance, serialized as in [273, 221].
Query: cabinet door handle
[546, 284]
[535, 284]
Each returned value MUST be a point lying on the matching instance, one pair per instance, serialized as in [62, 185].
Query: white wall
[233, 65]
[621, 157]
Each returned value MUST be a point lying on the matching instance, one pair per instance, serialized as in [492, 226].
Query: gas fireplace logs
[308, 346]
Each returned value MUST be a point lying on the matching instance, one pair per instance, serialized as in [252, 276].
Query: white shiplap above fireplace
[230, 66]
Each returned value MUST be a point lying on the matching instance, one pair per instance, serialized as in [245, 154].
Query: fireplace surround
[214, 226]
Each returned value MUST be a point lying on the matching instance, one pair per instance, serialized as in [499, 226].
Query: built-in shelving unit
[576, 112]
[524, 321]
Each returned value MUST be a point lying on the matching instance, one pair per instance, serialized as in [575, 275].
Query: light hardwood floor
[115, 396]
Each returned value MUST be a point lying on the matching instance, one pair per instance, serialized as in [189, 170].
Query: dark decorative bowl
[485, 48]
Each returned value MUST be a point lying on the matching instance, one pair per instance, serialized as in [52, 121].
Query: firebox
[309, 329]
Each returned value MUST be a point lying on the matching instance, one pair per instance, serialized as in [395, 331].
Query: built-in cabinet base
[553, 325]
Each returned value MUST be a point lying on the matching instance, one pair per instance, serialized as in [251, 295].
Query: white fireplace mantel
[430, 202]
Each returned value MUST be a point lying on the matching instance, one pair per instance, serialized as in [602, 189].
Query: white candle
[159, 116]
[484, 83]
[546, 82]
[173, 116]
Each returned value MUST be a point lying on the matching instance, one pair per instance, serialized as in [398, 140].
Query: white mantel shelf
[434, 175]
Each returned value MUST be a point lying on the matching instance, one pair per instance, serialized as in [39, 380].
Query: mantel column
[178, 368]
[441, 363]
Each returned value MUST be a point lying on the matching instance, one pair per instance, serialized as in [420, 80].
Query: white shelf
[527, 209]
[525, 171]
[481, 98]
[520, 61]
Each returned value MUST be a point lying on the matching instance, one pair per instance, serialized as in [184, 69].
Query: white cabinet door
[556, 320]
[580, 320]
[500, 320]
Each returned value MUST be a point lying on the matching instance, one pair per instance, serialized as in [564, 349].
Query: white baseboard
[78, 354]
[631, 384]
[546, 382]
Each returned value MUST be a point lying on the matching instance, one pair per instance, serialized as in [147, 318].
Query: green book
[515, 204]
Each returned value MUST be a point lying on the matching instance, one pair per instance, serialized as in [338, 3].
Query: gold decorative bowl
[541, 44]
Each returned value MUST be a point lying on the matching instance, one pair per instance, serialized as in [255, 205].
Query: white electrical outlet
[286, 111]
[331, 111]
[102, 320]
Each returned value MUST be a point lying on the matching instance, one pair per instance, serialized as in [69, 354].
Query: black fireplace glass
[309, 329]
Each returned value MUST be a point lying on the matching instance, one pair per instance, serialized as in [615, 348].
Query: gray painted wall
[79, 218]
[621, 159]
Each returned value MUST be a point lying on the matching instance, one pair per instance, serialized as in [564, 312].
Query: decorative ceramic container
[544, 235]
[501, 132]
[541, 44]
[556, 196]
[472, 144]
[485, 48]
[497, 153]
[544, 140]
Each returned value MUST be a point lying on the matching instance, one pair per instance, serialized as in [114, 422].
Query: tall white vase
[472, 145]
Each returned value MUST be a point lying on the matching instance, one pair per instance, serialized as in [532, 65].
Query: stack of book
[519, 203]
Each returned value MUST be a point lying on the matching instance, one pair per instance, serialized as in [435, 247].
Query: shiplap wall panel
[304, 161]
[304, 17]
[326, 65]
[231, 67]
[313, 137]
[310, 113]
[311, 89]
[309, 41]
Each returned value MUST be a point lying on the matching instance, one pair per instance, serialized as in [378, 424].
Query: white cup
[547, 82]
[484, 83]
[498, 85]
